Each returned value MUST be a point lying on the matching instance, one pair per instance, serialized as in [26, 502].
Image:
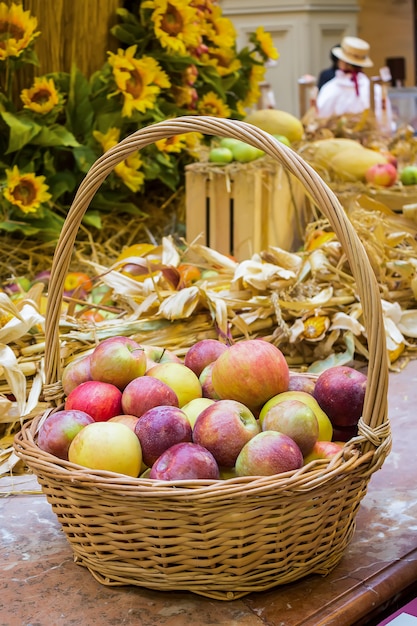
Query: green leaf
[55, 136]
[79, 111]
[13, 227]
[93, 218]
[114, 201]
[49, 225]
[210, 77]
[61, 183]
[128, 34]
[22, 130]
[84, 157]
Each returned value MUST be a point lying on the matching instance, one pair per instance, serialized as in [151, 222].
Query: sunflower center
[10, 31]
[171, 23]
[134, 85]
[41, 96]
[25, 193]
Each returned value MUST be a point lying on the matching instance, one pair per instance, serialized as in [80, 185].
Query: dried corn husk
[273, 295]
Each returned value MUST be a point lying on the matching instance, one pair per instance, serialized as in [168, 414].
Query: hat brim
[343, 56]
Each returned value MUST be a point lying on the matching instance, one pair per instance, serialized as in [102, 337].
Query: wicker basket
[220, 539]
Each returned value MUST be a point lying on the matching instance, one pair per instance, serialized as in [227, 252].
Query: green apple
[283, 139]
[228, 142]
[244, 152]
[220, 155]
[408, 175]
[325, 425]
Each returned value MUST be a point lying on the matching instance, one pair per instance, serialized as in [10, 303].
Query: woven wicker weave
[221, 539]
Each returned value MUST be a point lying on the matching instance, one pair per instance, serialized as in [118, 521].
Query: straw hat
[354, 51]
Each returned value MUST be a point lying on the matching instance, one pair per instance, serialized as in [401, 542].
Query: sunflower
[266, 44]
[223, 60]
[109, 139]
[26, 191]
[171, 144]
[17, 30]
[218, 29]
[42, 97]
[127, 170]
[211, 104]
[175, 24]
[256, 76]
[193, 142]
[138, 80]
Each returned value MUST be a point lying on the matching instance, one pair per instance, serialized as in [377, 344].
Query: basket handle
[375, 405]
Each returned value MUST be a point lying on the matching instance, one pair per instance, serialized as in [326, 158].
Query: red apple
[323, 450]
[108, 446]
[180, 378]
[145, 392]
[202, 353]
[75, 373]
[382, 174]
[301, 382]
[100, 400]
[206, 382]
[345, 433]
[117, 360]
[325, 425]
[268, 453]
[250, 371]
[59, 429]
[223, 428]
[340, 392]
[160, 428]
[185, 461]
[295, 419]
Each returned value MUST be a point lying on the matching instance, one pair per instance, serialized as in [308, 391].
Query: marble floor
[40, 585]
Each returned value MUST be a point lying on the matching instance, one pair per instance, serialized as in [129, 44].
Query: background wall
[304, 32]
[388, 25]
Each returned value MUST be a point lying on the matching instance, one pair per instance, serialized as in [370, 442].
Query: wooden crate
[240, 209]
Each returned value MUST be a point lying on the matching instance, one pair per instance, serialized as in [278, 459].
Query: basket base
[225, 589]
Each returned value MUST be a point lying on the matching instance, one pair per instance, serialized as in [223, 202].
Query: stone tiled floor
[42, 586]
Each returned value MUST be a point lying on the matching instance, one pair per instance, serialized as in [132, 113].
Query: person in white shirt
[349, 92]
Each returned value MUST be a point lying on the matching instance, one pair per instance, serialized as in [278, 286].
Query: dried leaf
[8, 306]
[344, 321]
[216, 259]
[408, 323]
[180, 304]
[260, 275]
[340, 358]
[170, 254]
[21, 325]
[14, 376]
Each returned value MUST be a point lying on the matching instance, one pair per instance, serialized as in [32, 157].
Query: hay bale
[72, 32]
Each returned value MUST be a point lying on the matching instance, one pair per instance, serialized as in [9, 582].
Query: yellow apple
[193, 408]
[180, 378]
[109, 446]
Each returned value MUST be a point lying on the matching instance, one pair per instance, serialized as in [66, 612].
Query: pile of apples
[221, 411]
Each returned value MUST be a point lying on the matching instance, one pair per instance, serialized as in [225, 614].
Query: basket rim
[309, 477]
